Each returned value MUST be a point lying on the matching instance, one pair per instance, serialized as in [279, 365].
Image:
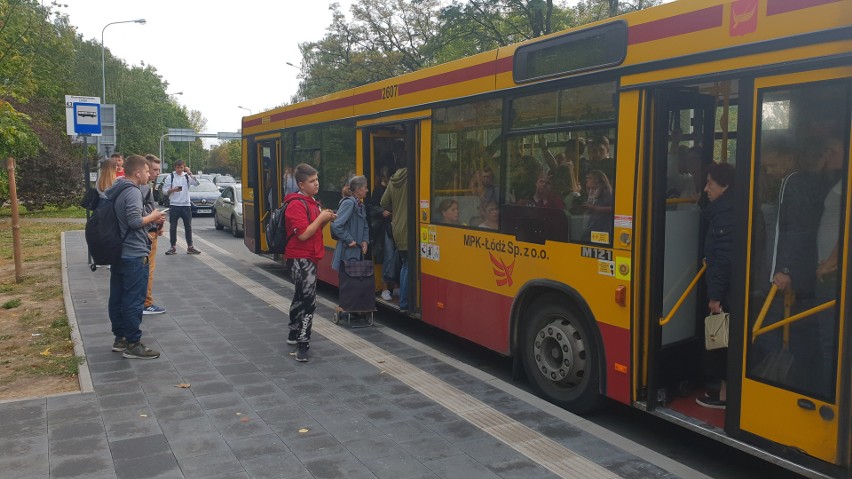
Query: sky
[220, 55]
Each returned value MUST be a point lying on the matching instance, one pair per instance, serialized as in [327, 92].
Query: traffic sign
[87, 119]
[182, 134]
[69, 109]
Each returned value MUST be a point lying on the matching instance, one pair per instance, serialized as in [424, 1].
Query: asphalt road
[692, 449]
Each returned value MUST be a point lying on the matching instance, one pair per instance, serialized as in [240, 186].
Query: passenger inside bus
[492, 216]
[597, 208]
[542, 195]
[448, 211]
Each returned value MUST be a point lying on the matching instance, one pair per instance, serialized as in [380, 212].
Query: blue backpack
[103, 234]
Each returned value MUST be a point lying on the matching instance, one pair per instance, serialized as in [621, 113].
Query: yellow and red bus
[576, 162]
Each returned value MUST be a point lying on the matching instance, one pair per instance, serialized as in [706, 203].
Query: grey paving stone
[459, 467]
[26, 457]
[188, 427]
[307, 448]
[83, 467]
[258, 389]
[283, 466]
[381, 414]
[160, 466]
[78, 412]
[520, 468]
[25, 429]
[237, 368]
[206, 388]
[258, 446]
[139, 447]
[337, 466]
[131, 428]
[22, 411]
[234, 424]
[429, 447]
[182, 411]
[178, 397]
[122, 387]
[397, 466]
[458, 431]
[186, 445]
[211, 465]
[371, 447]
[230, 399]
[82, 429]
[405, 430]
[77, 447]
[349, 427]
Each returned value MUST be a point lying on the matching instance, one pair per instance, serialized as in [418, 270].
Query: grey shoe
[119, 345]
[192, 250]
[302, 353]
[140, 351]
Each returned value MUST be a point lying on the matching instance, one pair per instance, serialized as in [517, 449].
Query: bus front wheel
[560, 357]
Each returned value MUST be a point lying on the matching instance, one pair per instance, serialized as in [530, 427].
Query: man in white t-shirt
[177, 187]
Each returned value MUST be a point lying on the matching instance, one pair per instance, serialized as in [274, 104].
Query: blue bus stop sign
[87, 119]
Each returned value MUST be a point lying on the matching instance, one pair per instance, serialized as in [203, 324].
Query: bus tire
[560, 356]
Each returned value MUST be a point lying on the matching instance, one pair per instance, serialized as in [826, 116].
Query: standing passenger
[395, 199]
[129, 278]
[154, 231]
[718, 246]
[304, 220]
[176, 186]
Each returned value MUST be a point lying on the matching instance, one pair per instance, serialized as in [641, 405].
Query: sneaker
[153, 309]
[386, 295]
[712, 402]
[192, 250]
[302, 353]
[139, 351]
[292, 336]
[171, 251]
[119, 345]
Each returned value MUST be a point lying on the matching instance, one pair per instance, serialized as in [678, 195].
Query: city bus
[555, 211]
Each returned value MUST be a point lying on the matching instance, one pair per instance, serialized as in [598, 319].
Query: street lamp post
[140, 21]
[246, 109]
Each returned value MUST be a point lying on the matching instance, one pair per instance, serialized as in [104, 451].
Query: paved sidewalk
[366, 405]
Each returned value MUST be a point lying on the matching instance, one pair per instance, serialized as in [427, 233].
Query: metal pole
[16, 225]
[88, 179]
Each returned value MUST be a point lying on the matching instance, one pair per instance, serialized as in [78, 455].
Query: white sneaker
[386, 295]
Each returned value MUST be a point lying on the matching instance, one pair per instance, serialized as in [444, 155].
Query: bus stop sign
[87, 119]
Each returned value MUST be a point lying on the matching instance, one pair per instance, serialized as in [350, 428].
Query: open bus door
[393, 146]
[683, 124]
[795, 373]
[268, 191]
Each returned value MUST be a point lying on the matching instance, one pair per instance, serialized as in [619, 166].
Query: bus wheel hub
[560, 353]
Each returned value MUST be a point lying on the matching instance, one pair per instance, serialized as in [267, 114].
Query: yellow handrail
[765, 309]
[792, 319]
[675, 201]
[664, 321]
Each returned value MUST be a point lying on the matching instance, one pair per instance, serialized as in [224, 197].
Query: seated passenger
[598, 207]
[492, 216]
[449, 211]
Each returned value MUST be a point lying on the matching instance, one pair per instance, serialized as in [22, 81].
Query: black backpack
[103, 233]
[276, 232]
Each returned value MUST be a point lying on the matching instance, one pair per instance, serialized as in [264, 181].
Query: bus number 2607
[390, 92]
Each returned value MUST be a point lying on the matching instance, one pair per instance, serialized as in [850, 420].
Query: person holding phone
[176, 186]
[154, 231]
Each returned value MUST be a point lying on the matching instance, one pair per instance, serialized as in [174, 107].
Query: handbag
[716, 331]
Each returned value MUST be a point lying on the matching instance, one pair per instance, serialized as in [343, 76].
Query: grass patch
[47, 212]
[12, 303]
[36, 352]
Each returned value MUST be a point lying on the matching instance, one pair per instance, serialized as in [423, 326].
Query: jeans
[152, 264]
[390, 262]
[176, 212]
[304, 272]
[128, 283]
[403, 281]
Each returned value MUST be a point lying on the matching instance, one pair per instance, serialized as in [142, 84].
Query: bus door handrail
[677, 201]
[759, 329]
[664, 321]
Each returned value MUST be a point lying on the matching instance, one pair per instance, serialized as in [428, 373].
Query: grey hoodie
[129, 202]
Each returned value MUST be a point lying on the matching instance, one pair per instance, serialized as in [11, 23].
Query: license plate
[203, 210]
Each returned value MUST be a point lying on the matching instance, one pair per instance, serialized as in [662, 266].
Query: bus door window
[466, 172]
[800, 183]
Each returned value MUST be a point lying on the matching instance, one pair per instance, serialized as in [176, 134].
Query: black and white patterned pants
[304, 273]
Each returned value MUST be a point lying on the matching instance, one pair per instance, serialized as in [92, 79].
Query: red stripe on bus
[616, 343]
[774, 7]
[698, 20]
[444, 79]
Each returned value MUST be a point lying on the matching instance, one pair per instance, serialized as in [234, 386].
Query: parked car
[224, 180]
[155, 189]
[202, 197]
[228, 210]
[206, 176]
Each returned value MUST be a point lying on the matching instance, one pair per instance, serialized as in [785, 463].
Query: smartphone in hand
[164, 211]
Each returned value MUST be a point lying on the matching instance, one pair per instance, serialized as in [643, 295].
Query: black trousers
[176, 212]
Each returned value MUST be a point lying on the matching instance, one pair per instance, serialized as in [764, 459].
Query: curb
[83, 374]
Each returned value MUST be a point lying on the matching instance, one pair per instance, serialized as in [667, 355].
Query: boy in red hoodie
[304, 220]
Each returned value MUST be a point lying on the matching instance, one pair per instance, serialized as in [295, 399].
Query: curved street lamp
[140, 21]
[246, 109]
[175, 93]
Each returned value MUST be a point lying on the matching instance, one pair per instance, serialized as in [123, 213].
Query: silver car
[228, 210]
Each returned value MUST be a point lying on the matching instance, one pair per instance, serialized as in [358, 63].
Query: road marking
[548, 453]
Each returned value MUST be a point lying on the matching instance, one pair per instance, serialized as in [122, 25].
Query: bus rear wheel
[561, 358]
